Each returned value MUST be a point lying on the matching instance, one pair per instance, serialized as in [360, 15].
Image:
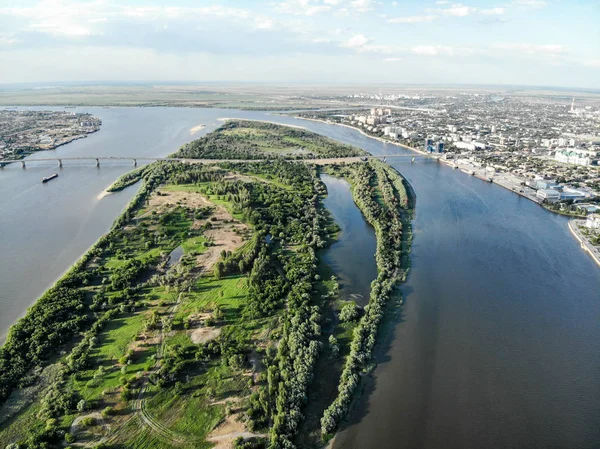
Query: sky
[523, 42]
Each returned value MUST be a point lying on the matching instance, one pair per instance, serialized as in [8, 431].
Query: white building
[593, 221]
[548, 195]
[577, 156]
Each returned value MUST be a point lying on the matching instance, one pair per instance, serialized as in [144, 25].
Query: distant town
[23, 132]
[545, 151]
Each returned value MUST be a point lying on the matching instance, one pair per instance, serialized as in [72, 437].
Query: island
[206, 316]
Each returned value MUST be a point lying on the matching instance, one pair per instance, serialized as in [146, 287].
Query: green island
[205, 317]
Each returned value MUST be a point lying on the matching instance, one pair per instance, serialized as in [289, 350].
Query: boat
[50, 178]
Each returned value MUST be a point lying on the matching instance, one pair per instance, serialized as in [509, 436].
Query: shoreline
[43, 150]
[449, 163]
[195, 129]
[104, 193]
[365, 134]
[585, 245]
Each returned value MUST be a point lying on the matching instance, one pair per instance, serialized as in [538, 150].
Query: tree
[334, 347]
[349, 312]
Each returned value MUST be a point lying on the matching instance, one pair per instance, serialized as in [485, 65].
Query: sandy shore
[104, 193]
[398, 144]
[195, 129]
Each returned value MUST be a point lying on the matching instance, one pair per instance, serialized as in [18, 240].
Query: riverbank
[505, 180]
[196, 128]
[380, 139]
[586, 245]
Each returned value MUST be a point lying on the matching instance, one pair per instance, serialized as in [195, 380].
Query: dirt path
[140, 402]
[230, 429]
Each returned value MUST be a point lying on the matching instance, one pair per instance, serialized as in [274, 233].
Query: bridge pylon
[135, 162]
[97, 162]
[60, 163]
[23, 164]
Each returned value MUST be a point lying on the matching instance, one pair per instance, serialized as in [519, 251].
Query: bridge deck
[211, 161]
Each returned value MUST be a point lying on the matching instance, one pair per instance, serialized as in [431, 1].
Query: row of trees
[386, 219]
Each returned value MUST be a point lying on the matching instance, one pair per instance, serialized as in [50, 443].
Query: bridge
[134, 159]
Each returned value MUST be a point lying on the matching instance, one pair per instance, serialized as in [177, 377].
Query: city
[24, 132]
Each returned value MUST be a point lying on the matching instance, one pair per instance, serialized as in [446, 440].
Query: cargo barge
[50, 178]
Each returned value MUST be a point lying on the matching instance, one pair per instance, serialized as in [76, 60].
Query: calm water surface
[499, 343]
[352, 256]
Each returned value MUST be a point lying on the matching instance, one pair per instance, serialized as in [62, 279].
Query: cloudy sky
[534, 42]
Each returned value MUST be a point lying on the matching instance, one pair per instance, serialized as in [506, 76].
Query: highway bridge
[134, 159]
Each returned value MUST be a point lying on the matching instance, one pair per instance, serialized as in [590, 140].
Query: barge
[50, 178]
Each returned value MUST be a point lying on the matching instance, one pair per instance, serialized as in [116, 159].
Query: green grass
[113, 344]
[12, 429]
[228, 293]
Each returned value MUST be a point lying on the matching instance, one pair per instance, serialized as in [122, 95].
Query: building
[429, 145]
[588, 208]
[593, 221]
[572, 194]
[577, 156]
[440, 147]
[548, 195]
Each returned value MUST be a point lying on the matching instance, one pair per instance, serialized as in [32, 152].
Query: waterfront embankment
[586, 245]
[508, 181]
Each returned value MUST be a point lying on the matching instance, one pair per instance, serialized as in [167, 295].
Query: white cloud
[7, 39]
[460, 10]
[442, 2]
[530, 3]
[393, 59]
[75, 19]
[264, 23]
[332, 2]
[553, 49]
[362, 5]
[492, 11]
[357, 41]
[432, 50]
[302, 7]
[592, 63]
[412, 19]
[442, 50]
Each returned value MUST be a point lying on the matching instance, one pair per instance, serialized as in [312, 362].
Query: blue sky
[533, 42]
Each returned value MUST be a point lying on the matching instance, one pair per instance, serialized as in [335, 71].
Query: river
[499, 342]
[356, 239]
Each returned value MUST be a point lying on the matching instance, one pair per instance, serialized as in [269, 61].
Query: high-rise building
[440, 147]
[429, 145]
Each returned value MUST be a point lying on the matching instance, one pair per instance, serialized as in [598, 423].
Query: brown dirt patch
[169, 198]
[224, 232]
[204, 334]
[225, 434]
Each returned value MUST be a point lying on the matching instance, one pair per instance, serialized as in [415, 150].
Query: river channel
[499, 341]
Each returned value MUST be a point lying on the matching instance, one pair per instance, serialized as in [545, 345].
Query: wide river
[499, 342]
